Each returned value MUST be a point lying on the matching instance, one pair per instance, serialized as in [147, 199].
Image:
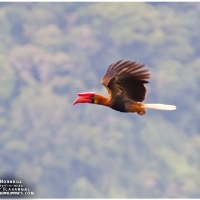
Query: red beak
[82, 100]
[84, 97]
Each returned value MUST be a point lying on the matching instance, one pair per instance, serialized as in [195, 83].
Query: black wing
[126, 77]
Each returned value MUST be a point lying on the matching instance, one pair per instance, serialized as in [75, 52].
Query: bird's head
[85, 97]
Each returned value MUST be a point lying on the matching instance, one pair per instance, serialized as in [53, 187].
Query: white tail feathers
[160, 106]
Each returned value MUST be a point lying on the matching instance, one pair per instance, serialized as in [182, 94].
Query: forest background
[51, 51]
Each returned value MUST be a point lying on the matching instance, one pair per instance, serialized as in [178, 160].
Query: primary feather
[126, 78]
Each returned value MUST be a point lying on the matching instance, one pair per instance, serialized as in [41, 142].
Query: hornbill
[124, 81]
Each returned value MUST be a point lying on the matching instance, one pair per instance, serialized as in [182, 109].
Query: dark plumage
[126, 78]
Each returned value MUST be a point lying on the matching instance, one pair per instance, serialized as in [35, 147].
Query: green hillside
[51, 51]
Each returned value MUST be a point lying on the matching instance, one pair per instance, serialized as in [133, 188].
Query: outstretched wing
[126, 77]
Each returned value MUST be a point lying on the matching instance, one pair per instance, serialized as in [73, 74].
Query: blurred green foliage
[51, 51]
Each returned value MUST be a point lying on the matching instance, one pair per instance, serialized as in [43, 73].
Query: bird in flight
[124, 81]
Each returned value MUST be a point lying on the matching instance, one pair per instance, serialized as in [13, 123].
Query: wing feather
[126, 78]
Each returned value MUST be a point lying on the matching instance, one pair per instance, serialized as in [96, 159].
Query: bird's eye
[92, 99]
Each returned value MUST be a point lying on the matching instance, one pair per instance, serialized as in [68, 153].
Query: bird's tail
[160, 106]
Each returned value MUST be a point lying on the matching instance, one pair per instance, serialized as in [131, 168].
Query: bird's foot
[142, 112]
